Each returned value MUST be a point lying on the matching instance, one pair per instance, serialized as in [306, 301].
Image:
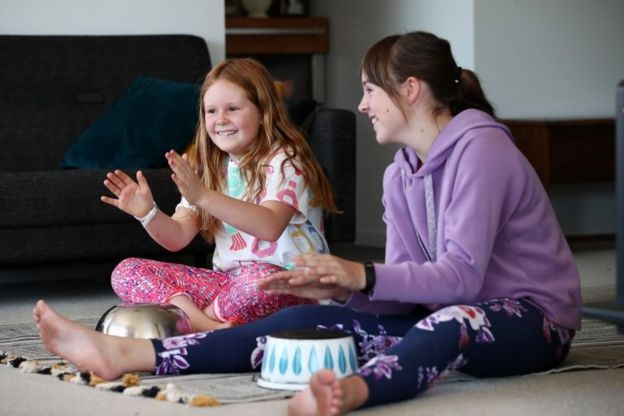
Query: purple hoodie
[495, 232]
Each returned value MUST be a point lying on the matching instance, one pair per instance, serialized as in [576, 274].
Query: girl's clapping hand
[185, 177]
[134, 198]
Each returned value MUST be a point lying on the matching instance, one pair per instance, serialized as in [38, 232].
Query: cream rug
[597, 346]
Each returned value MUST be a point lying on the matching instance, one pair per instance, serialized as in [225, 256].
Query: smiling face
[387, 118]
[232, 120]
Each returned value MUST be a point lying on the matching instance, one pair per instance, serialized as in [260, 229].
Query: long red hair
[277, 133]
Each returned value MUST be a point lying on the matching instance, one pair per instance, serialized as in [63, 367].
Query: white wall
[535, 58]
[555, 59]
[550, 58]
[354, 26]
[204, 18]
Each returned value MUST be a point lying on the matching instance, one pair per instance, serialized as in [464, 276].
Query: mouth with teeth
[226, 132]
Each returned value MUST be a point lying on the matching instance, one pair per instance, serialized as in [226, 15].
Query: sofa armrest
[332, 139]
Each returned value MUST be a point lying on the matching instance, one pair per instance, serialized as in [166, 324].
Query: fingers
[330, 270]
[288, 280]
[123, 177]
[116, 181]
[110, 201]
[306, 276]
[141, 178]
[178, 165]
[115, 190]
[276, 280]
[320, 265]
[112, 183]
[174, 159]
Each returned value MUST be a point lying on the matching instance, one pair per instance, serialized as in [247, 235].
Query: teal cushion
[151, 117]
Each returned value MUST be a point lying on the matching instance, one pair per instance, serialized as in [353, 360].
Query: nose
[363, 105]
[221, 120]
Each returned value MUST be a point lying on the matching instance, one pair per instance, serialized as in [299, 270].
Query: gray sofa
[52, 88]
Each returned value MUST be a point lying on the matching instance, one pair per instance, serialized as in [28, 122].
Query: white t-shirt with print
[303, 234]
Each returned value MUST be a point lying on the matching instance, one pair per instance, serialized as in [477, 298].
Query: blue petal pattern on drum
[297, 361]
[329, 360]
[342, 360]
[283, 363]
[272, 360]
[313, 361]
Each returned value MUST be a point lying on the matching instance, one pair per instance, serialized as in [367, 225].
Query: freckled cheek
[252, 130]
[208, 123]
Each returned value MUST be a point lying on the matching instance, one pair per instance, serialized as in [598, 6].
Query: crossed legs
[462, 337]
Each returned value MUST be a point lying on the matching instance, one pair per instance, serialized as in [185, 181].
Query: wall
[555, 59]
[369, 21]
[550, 58]
[536, 58]
[204, 18]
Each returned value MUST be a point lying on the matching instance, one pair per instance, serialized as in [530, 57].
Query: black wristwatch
[371, 278]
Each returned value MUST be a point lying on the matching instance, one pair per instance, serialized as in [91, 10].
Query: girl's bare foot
[329, 396]
[107, 356]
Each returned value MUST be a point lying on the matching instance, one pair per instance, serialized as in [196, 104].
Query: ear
[412, 87]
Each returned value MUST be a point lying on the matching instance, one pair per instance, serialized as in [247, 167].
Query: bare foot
[107, 356]
[328, 395]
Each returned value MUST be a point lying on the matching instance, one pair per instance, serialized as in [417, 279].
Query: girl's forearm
[169, 233]
[258, 220]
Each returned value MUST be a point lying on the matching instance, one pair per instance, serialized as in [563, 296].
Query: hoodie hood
[458, 128]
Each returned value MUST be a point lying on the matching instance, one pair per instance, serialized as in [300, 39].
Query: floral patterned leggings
[233, 296]
[400, 356]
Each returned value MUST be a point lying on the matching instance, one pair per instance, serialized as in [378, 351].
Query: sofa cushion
[72, 197]
[51, 245]
[151, 117]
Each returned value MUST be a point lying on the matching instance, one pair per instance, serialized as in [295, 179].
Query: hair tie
[457, 78]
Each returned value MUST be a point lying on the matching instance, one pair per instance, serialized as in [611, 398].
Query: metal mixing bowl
[144, 320]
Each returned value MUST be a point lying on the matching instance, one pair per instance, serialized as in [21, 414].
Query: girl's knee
[124, 270]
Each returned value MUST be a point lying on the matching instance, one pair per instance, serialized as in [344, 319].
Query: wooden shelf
[567, 151]
[276, 35]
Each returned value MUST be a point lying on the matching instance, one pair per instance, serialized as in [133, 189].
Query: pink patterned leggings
[233, 296]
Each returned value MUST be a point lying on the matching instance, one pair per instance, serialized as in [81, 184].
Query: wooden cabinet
[567, 151]
[284, 44]
[276, 35]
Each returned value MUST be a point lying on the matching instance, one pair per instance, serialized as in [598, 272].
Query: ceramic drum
[291, 357]
[144, 320]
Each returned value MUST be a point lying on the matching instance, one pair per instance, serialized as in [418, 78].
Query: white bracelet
[149, 216]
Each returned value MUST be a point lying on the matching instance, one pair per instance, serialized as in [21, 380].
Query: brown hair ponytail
[389, 62]
[469, 94]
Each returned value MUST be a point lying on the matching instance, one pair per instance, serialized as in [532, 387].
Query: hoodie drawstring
[431, 217]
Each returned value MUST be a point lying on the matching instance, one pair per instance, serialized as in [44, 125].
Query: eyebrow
[229, 104]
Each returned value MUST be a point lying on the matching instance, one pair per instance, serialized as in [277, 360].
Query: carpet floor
[598, 346]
